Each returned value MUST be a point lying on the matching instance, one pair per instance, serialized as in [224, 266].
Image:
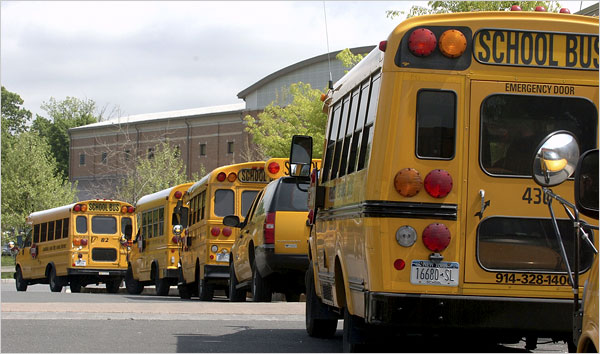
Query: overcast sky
[144, 57]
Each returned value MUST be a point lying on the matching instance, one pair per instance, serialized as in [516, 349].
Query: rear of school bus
[445, 229]
[207, 245]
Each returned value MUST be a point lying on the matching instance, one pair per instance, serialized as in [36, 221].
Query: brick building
[100, 153]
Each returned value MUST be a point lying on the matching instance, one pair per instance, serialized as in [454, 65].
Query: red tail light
[564, 10]
[540, 8]
[226, 231]
[84, 241]
[221, 176]
[383, 46]
[438, 183]
[399, 264]
[273, 168]
[77, 207]
[215, 231]
[515, 8]
[311, 216]
[130, 209]
[422, 42]
[269, 228]
[178, 194]
[436, 237]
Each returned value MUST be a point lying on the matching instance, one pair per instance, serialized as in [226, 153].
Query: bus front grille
[104, 254]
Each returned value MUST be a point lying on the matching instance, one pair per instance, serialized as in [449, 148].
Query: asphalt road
[41, 321]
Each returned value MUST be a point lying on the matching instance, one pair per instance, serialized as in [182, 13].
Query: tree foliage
[69, 113]
[29, 180]
[439, 7]
[164, 170]
[273, 129]
[348, 58]
[14, 117]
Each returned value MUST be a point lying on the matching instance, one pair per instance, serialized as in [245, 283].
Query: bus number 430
[535, 196]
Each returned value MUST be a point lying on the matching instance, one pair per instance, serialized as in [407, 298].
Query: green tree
[29, 181]
[348, 58]
[439, 7]
[273, 129]
[163, 170]
[14, 117]
[63, 115]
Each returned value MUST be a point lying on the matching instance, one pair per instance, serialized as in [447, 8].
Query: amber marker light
[408, 182]
[231, 177]
[453, 43]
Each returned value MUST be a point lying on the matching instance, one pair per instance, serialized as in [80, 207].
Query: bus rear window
[523, 244]
[512, 126]
[436, 124]
[224, 203]
[104, 225]
[81, 224]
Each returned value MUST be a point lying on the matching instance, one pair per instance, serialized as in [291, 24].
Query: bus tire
[54, 282]
[133, 286]
[205, 290]
[320, 321]
[235, 294]
[185, 291]
[112, 285]
[261, 291]
[20, 283]
[162, 285]
[75, 284]
[354, 337]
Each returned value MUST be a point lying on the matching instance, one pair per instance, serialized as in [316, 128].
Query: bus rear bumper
[97, 272]
[546, 317]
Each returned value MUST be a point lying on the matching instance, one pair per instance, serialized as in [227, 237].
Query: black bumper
[268, 262]
[216, 272]
[518, 315]
[101, 273]
[170, 273]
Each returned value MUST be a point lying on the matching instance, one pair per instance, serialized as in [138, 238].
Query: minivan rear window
[291, 196]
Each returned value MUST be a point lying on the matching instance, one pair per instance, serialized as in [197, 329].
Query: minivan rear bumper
[268, 262]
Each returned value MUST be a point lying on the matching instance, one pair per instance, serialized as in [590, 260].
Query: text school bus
[206, 243]
[76, 244]
[426, 216]
[154, 257]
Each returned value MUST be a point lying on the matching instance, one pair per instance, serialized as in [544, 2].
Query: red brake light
[215, 231]
[269, 228]
[221, 176]
[311, 216]
[178, 194]
[399, 264]
[175, 239]
[130, 209]
[84, 242]
[564, 10]
[515, 8]
[77, 207]
[438, 183]
[436, 237]
[422, 42]
[273, 168]
[226, 231]
[383, 46]
[313, 177]
[540, 8]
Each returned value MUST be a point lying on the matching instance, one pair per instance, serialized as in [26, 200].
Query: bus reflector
[399, 264]
[227, 231]
[232, 177]
[383, 46]
[215, 231]
[221, 176]
[540, 8]
[408, 182]
[273, 168]
[178, 194]
[269, 228]
[406, 236]
[515, 8]
[436, 237]
[438, 183]
[453, 43]
[422, 42]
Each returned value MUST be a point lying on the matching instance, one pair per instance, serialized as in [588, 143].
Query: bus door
[509, 237]
[104, 240]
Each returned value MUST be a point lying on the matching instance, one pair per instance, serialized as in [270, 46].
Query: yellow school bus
[76, 244]
[206, 243]
[154, 258]
[425, 215]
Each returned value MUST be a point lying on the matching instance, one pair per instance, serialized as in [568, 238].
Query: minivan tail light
[269, 228]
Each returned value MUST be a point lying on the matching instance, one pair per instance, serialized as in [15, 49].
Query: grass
[8, 261]
[7, 275]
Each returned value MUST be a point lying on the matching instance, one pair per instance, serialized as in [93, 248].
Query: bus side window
[44, 229]
[360, 122]
[65, 228]
[57, 229]
[202, 206]
[50, 231]
[161, 221]
[349, 130]
[436, 124]
[340, 136]
[333, 129]
[367, 138]
[36, 233]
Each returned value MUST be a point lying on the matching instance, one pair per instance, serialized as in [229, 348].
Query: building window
[127, 155]
[150, 153]
[81, 159]
[230, 147]
[202, 149]
[104, 157]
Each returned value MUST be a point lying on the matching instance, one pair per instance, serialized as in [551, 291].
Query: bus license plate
[430, 273]
[222, 257]
[80, 263]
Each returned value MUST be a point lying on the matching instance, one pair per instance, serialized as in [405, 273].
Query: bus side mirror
[128, 232]
[301, 154]
[184, 217]
[232, 220]
[555, 159]
[586, 184]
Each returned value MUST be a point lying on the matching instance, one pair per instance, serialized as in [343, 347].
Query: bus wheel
[112, 285]
[355, 332]
[54, 282]
[260, 287]
[185, 291]
[133, 286]
[162, 285]
[75, 284]
[20, 283]
[205, 290]
[235, 294]
[320, 322]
